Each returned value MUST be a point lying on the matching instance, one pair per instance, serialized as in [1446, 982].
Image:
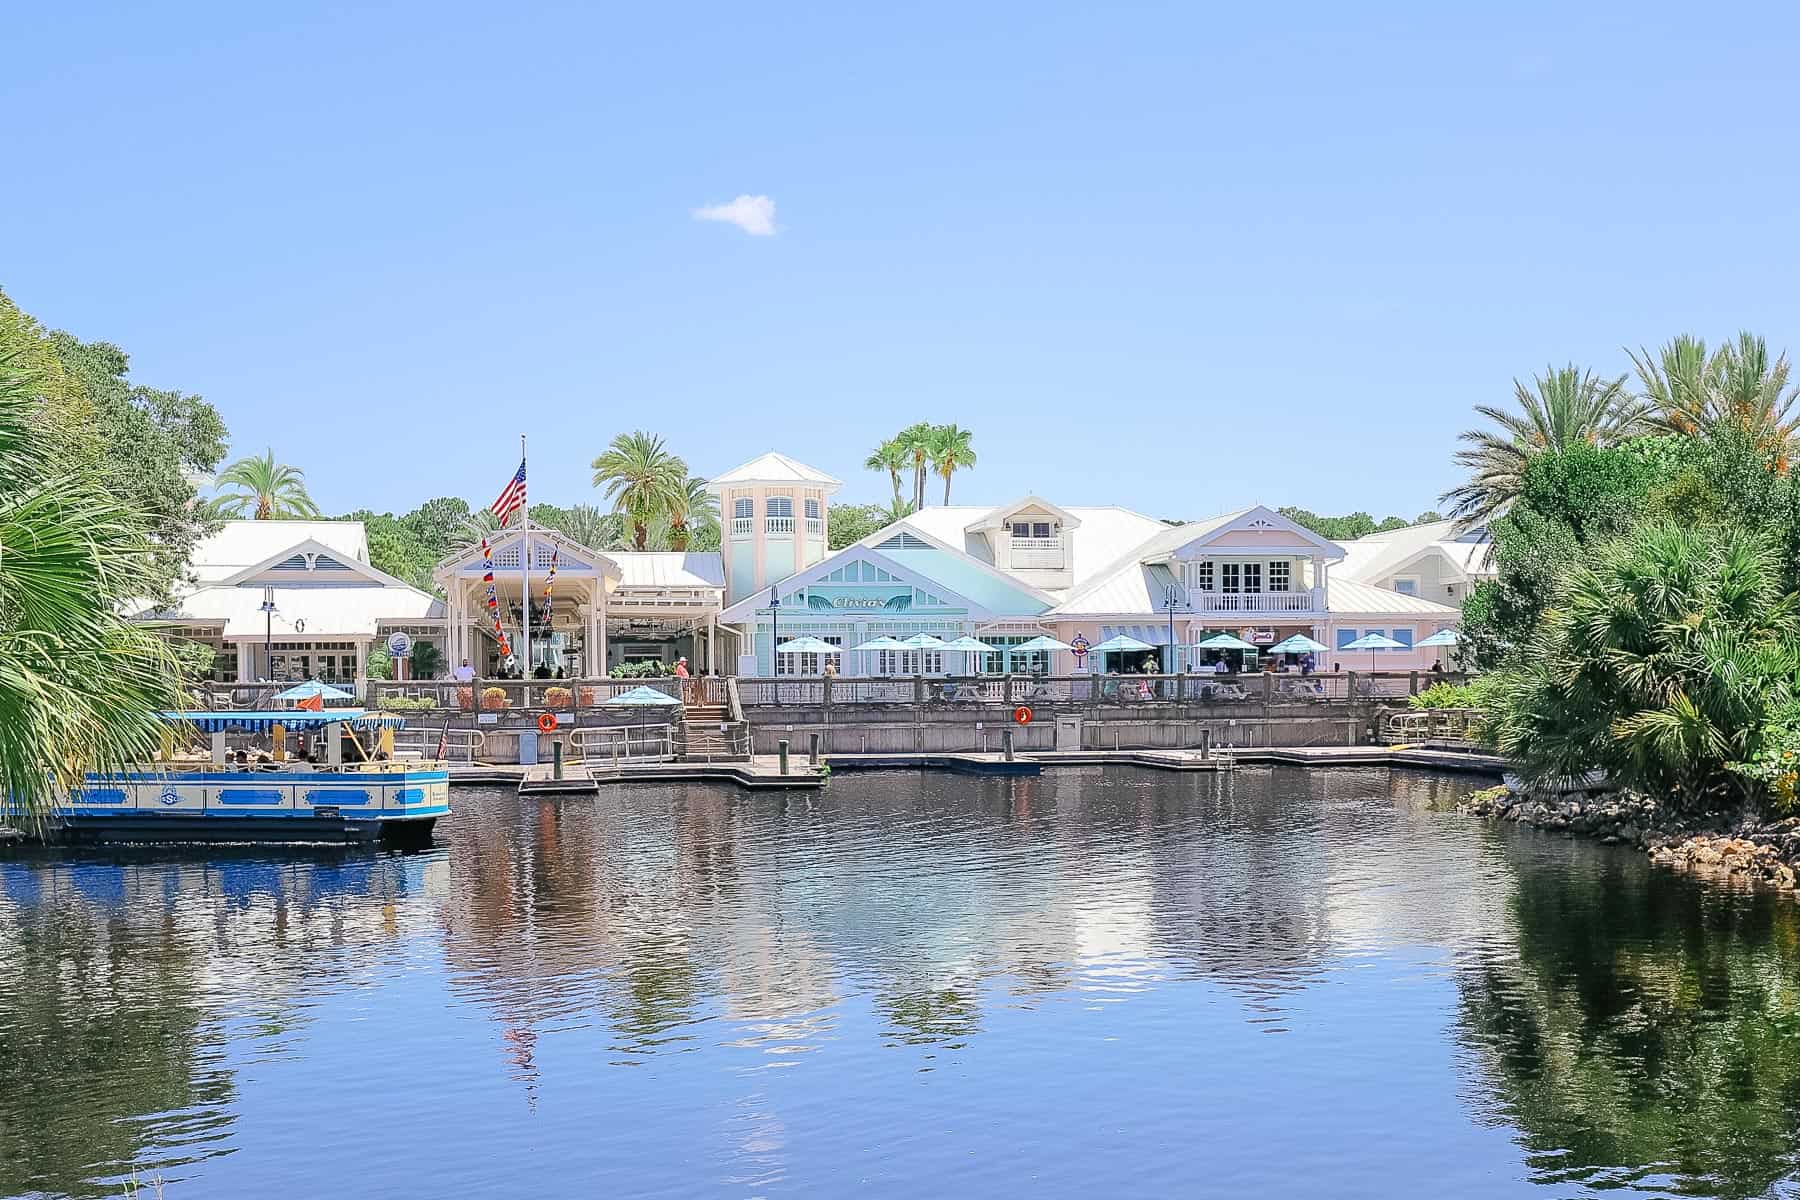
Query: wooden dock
[763, 772]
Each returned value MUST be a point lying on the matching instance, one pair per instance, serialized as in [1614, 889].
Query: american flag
[512, 496]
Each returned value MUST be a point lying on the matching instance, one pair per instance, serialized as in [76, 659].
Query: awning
[1156, 635]
[263, 722]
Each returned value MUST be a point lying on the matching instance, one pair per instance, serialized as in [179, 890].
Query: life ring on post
[1022, 714]
[547, 722]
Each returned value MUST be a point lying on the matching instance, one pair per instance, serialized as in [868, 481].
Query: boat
[312, 780]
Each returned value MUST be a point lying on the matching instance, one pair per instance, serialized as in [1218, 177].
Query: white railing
[1041, 554]
[780, 524]
[815, 527]
[1253, 602]
[743, 524]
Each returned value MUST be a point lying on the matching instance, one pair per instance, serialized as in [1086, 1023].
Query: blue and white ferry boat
[314, 780]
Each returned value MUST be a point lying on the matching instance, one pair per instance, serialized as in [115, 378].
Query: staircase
[708, 734]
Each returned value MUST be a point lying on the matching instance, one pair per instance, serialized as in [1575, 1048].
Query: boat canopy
[262, 722]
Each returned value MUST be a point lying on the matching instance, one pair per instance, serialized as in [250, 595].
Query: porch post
[245, 673]
[362, 670]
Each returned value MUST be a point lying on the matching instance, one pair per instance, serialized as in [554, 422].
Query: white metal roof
[774, 468]
[329, 612]
[660, 569]
[1103, 535]
[1345, 597]
[241, 544]
[1379, 555]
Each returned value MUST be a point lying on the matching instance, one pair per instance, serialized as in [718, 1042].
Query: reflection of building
[329, 607]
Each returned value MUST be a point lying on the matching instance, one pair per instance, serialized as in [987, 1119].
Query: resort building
[289, 600]
[1009, 573]
[598, 611]
[293, 600]
[1432, 561]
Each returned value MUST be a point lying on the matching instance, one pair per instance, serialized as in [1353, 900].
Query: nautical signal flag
[512, 498]
[312, 703]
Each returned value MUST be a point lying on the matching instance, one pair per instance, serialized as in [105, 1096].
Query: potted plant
[465, 698]
[493, 699]
[557, 697]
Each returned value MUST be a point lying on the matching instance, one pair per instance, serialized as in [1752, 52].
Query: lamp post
[774, 632]
[268, 612]
[1172, 598]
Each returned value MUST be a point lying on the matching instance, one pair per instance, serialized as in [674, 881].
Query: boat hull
[255, 806]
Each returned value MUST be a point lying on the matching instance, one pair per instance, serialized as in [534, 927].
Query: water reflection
[693, 989]
[1641, 1029]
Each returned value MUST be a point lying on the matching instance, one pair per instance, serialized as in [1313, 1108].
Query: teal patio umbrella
[643, 699]
[1224, 641]
[876, 644]
[970, 645]
[1043, 643]
[312, 688]
[1443, 637]
[1122, 643]
[1298, 644]
[1373, 642]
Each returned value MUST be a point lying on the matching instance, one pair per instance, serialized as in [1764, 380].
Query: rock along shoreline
[1746, 852]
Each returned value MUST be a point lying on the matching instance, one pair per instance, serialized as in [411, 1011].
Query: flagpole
[525, 564]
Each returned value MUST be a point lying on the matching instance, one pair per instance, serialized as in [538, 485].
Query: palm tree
[1562, 407]
[915, 443]
[952, 449]
[640, 477]
[1662, 669]
[267, 491]
[80, 688]
[590, 527]
[1737, 389]
[891, 456]
[692, 511]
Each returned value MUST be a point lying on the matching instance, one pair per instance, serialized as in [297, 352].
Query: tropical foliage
[925, 449]
[1663, 668]
[263, 489]
[1646, 546]
[80, 688]
[1562, 408]
[651, 489]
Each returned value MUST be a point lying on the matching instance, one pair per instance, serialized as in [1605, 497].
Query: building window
[1203, 575]
[1229, 577]
[812, 509]
[1406, 585]
[1040, 529]
[1021, 528]
[909, 662]
[1253, 577]
[1403, 636]
[779, 506]
[741, 507]
[1281, 574]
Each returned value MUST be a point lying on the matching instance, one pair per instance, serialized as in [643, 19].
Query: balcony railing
[1255, 602]
[780, 524]
[743, 524]
[815, 527]
[1040, 554]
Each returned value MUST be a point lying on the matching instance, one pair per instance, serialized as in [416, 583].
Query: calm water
[1102, 983]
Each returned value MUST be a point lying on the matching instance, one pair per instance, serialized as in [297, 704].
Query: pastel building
[1008, 573]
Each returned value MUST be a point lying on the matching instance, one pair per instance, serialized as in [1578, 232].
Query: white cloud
[755, 215]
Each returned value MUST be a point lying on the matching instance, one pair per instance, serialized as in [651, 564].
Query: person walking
[681, 673]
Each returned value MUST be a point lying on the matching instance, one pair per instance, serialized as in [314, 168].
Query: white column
[243, 651]
[362, 669]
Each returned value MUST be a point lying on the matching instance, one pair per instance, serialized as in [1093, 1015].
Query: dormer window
[1032, 529]
[1021, 528]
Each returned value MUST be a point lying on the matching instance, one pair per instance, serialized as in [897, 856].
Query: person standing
[681, 673]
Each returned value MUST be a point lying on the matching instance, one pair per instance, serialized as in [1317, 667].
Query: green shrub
[406, 703]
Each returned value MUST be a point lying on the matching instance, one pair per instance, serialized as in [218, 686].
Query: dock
[763, 772]
[760, 773]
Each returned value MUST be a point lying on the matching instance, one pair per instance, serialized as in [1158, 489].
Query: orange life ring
[1022, 714]
[547, 722]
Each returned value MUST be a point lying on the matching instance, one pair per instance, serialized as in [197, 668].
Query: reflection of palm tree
[947, 1015]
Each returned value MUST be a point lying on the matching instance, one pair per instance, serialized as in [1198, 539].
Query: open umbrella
[643, 699]
[1298, 644]
[1121, 644]
[1443, 637]
[1373, 642]
[1224, 641]
[925, 641]
[1043, 644]
[314, 689]
[808, 645]
[970, 645]
[883, 642]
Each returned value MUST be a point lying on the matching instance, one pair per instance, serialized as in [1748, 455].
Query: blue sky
[1178, 257]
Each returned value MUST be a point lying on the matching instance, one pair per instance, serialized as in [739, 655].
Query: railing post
[1006, 689]
[781, 750]
[1181, 687]
[825, 693]
[1006, 743]
[1412, 684]
[556, 759]
[1350, 686]
[918, 689]
[813, 749]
